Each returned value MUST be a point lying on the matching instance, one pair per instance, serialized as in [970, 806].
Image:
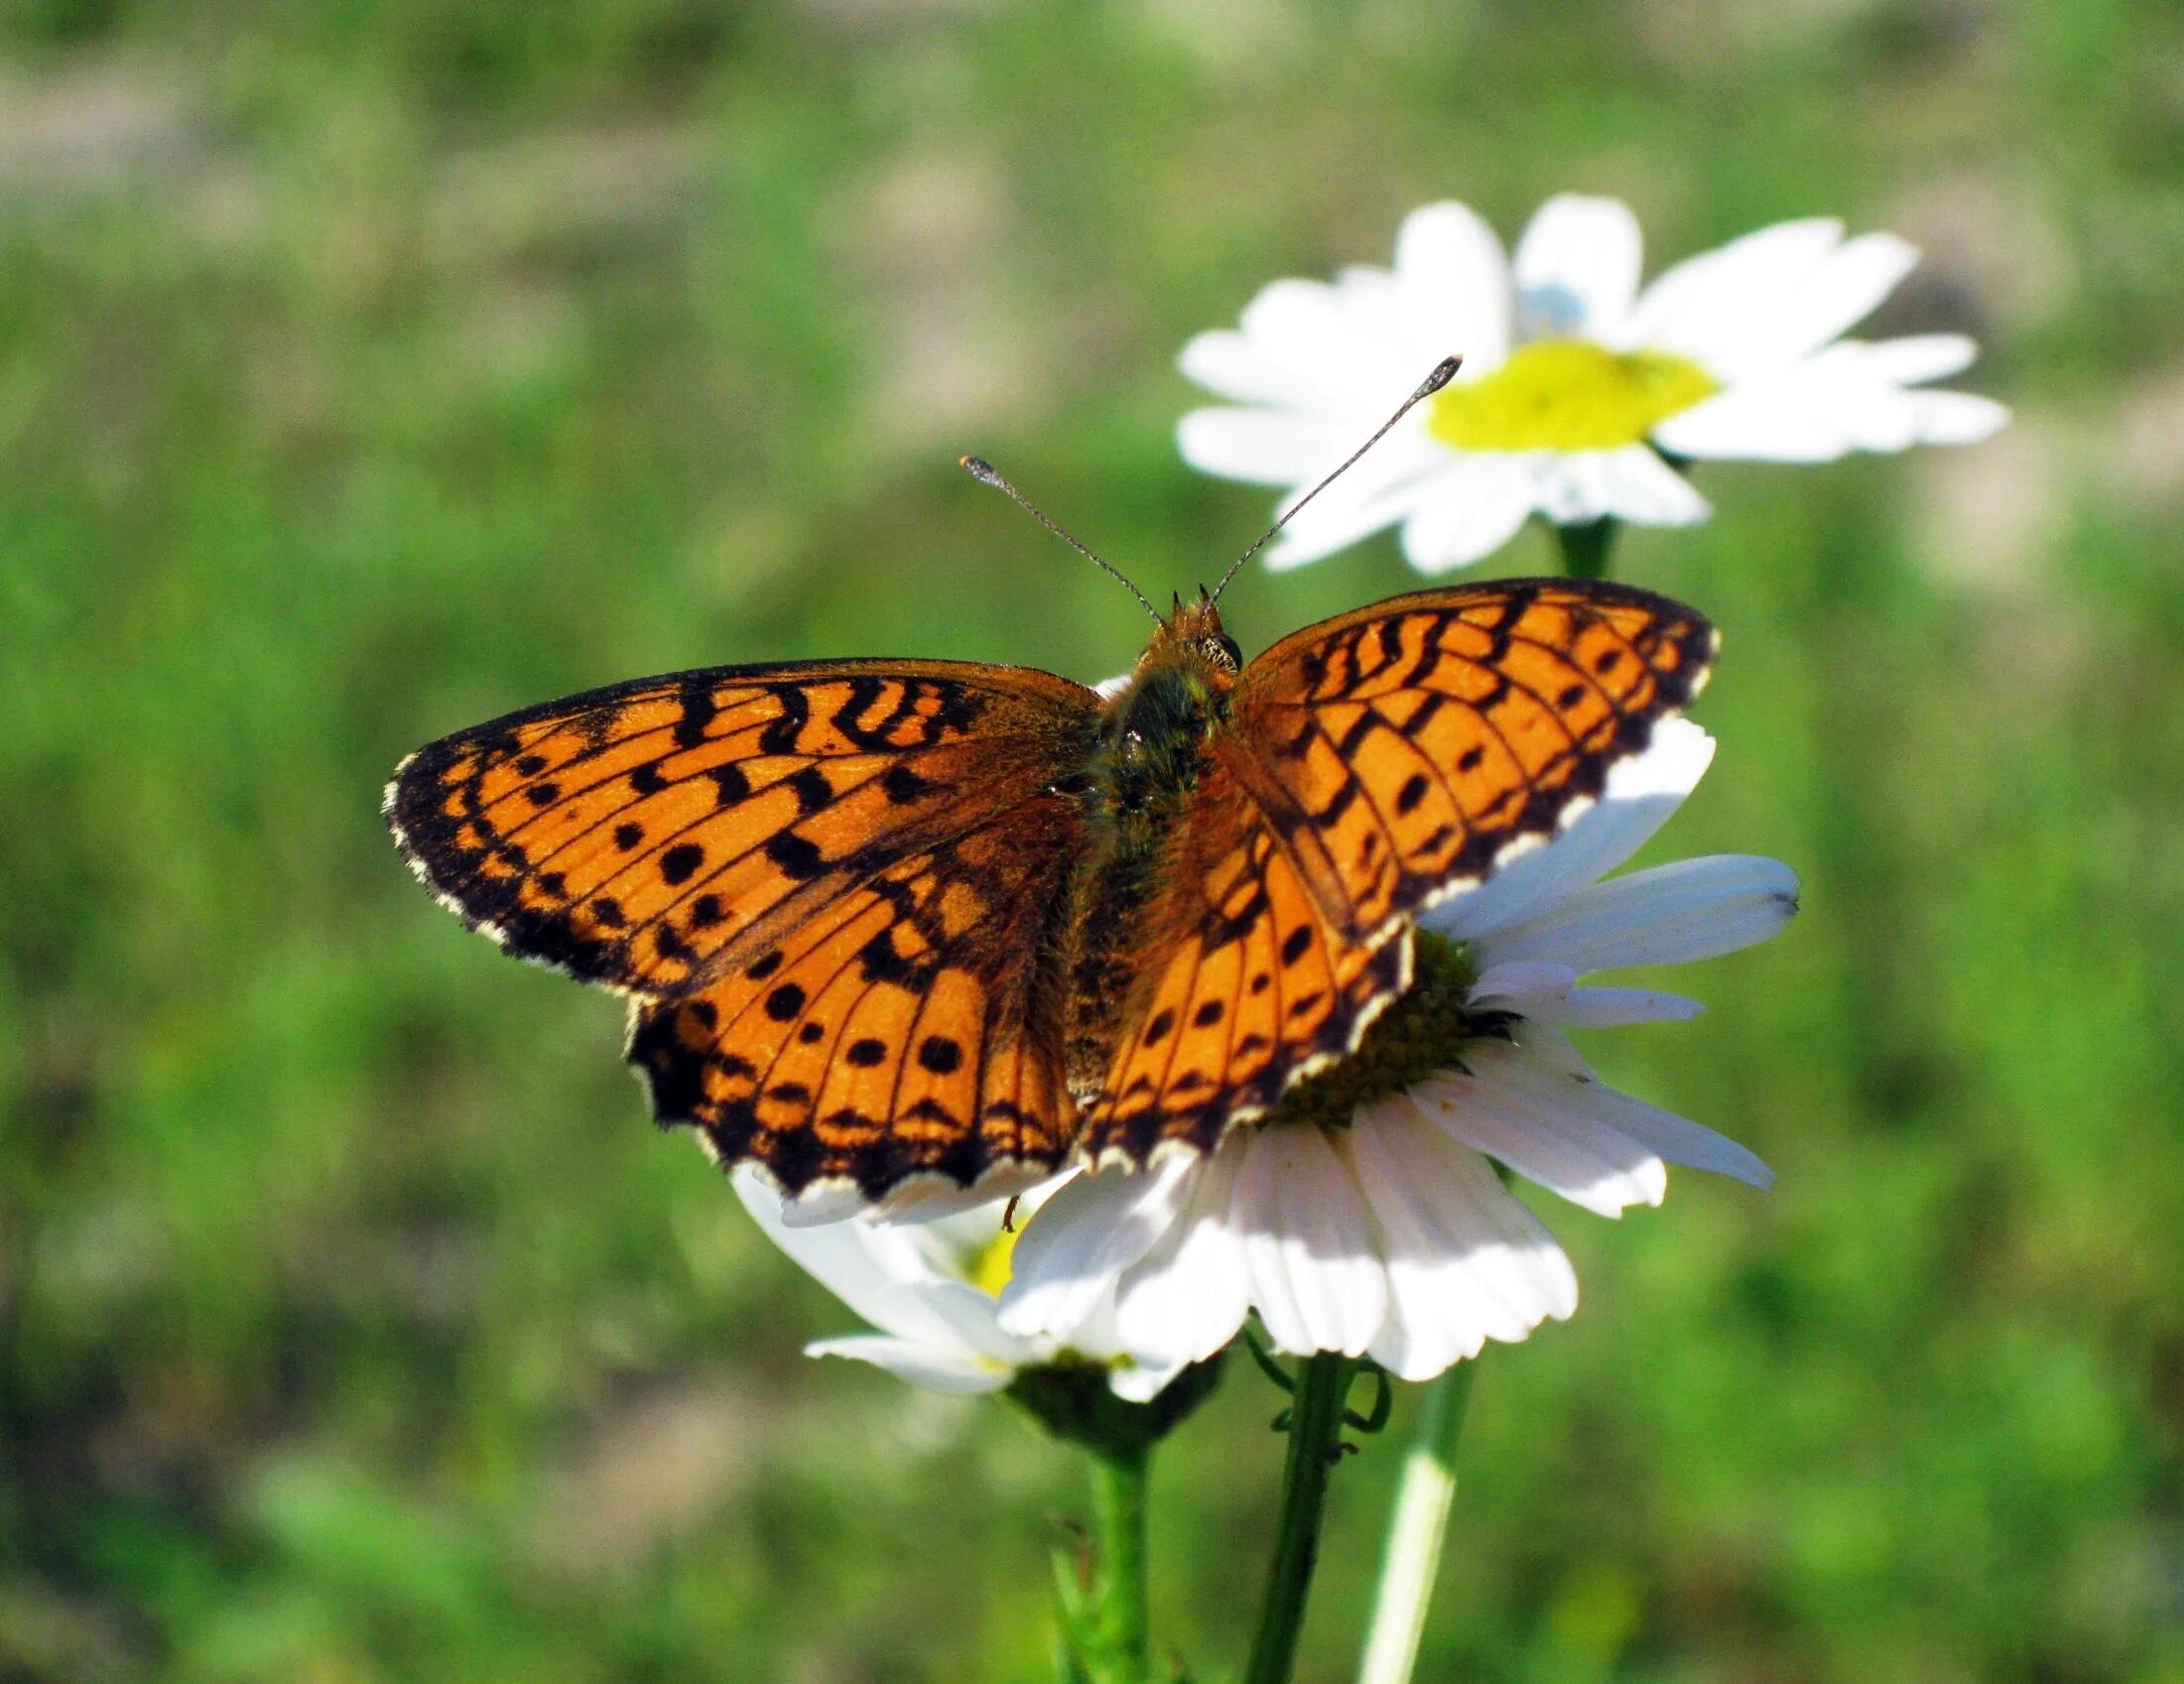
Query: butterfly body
[883, 920]
[1155, 737]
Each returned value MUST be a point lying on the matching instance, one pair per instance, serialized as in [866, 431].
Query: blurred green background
[369, 370]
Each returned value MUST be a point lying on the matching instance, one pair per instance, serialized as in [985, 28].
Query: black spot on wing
[810, 789]
[796, 856]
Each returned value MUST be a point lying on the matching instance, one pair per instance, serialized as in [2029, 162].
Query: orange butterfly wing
[1402, 751]
[682, 838]
[1373, 763]
[1250, 988]
[912, 1027]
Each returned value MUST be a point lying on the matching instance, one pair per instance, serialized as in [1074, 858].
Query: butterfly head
[1193, 631]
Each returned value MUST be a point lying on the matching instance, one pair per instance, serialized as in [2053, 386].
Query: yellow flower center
[987, 1268]
[1567, 395]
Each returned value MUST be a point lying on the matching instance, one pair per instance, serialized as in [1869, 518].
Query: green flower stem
[1416, 1531]
[1099, 1586]
[1315, 1437]
[1585, 547]
[1114, 1635]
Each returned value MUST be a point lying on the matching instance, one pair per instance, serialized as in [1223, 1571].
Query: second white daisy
[1574, 384]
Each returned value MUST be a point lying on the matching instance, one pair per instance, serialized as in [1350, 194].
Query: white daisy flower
[929, 1287]
[1386, 1232]
[1574, 383]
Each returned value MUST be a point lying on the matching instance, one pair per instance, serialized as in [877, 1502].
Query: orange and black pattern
[883, 919]
[904, 1027]
[1252, 988]
[646, 835]
[1400, 750]
[680, 840]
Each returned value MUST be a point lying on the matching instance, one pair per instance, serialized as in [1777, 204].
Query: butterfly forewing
[1400, 752]
[648, 835]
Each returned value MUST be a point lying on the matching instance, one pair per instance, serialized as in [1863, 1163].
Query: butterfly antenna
[988, 475]
[1442, 372]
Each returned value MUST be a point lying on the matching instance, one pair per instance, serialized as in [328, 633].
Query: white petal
[881, 1273]
[1316, 1279]
[1468, 510]
[1527, 1117]
[1531, 989]
[1465, 1261]
[1096, 1336]
[1572, 487]
[1510, 1088]
[1676, 1138]
[1545, 993]
[1136, 1382]
[1546, 1045]
[1720, 308]
[920, 1365]
[1779, 421]
[1841, 399]
[814, 1206]
[1235, 366]
[1688, 910]
[1266, 447]
[1577, 269]
[1454, 285]
[1955, 418]
[1840, 293]
[1187, 1296]
[1922, 357]
[1610, 1008]
[1640, 795]
[1341, 357]
[1070, 1252]
[972, 1320]
[1639, 487]
[1099, 1339]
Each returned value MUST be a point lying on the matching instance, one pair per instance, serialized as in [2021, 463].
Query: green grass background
[369, 370]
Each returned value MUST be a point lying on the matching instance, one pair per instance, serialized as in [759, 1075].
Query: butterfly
[880, 920]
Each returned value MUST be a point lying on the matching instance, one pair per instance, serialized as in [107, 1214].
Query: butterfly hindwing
[1399, 752]
[1250, 987]
[647, 835]
[910, 1026]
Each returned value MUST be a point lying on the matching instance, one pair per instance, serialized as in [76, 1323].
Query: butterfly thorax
[1152, 748]
[1153, 732]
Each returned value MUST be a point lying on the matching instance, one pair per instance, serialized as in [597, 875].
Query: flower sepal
[1073, 1399]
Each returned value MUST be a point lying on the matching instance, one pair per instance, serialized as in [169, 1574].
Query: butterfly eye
[1223, 651]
